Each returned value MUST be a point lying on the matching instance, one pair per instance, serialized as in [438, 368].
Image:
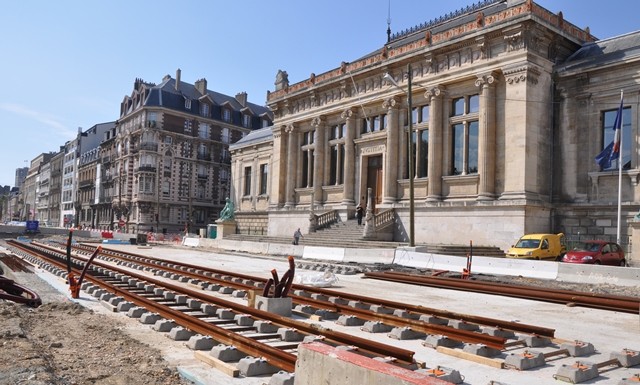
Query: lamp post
[390, 79]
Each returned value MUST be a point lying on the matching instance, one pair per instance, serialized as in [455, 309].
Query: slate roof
[254, 137]
[603, 52]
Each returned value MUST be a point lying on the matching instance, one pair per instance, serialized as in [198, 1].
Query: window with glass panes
[464, 134]
[247, 181]
[264, 177]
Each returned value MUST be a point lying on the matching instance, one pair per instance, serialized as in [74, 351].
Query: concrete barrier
[323, 253]
[614, 275]
[369, 255]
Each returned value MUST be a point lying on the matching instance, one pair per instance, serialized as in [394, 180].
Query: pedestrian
[296, 236]
[359, 212]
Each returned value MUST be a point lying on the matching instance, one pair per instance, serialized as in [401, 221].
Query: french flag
[612, 151]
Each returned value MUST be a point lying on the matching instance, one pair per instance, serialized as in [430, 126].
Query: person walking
[359, 212]
[296, 236]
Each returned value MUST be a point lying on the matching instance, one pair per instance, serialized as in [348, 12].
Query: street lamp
[390, 79]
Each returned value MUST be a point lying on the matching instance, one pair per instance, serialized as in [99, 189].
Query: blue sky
[68, 64]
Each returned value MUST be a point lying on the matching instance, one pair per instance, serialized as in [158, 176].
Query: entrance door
[374, 178]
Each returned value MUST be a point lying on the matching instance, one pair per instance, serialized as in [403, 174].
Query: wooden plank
[494, 363]
[222, 366]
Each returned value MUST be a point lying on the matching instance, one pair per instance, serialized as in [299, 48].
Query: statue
[227, 212]
[282, 80]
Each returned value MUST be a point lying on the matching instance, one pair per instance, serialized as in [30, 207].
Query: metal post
[411, 161]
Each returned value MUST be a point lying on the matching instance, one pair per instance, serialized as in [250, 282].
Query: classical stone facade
[498, 141]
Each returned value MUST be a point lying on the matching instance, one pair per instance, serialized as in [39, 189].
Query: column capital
[486, 80]
[390, 103]
[289, 128]
[434, 92]
[346, 114]
[318, 121]
[521, 74]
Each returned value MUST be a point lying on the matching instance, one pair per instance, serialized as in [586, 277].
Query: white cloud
[44, 118]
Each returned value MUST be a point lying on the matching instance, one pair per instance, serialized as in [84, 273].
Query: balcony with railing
[85, 183]
[147, 168]
[149, 146]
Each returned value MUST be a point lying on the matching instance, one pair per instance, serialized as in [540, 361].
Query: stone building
[507, 108]
[170, 162]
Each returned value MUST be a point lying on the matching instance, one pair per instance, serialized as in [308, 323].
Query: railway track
[145, 281]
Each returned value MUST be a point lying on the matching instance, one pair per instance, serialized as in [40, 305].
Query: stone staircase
[347, 234]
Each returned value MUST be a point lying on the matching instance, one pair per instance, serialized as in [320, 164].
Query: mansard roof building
[509, 105]
[169, 164]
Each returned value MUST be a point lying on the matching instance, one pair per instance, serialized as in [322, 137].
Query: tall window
[264, 177]
[225, 135]
[203, 131]
[246, 120]
[187, 104]
[307, 167]
[188, 126]
[247, 181]
[423, 153]
[464, 131]
[204, 110]
[226, 114]
[608, 119]
[338, 131]
[374, 123]
[336, 174]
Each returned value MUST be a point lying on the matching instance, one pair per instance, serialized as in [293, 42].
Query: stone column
[389, 194]
[292, 160]
[487, 137]
[349, 161]
[436, 135]
[318, 159]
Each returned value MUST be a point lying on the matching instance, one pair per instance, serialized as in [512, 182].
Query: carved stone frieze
[521, 74]
[514, 41]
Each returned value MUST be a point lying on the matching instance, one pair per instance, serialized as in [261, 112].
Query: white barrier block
[323, 253]
[369, 255]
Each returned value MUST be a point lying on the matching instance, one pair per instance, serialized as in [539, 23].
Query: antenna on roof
[389, 22]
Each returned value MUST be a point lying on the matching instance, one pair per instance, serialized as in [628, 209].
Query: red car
[596, 253]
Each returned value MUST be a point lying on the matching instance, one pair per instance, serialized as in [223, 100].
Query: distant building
[169, 163]
[510, 105]
[21, 175]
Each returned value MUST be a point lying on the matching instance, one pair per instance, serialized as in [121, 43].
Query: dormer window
[226, 114]
[204, 110]
[187, 103]
[246, 121]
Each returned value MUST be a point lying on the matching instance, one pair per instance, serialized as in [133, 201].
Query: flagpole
[620, 172]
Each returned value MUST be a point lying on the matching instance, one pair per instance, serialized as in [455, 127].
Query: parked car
[538, 246]
[596, 253]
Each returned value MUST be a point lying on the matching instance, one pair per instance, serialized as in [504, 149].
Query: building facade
[170, 160]
[497, 100]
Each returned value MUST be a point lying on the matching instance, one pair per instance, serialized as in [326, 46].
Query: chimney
[201, 86]
[241, 97]
[178, 72]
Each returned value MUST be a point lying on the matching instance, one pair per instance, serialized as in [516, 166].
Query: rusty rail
[14, 292]
[596, 301]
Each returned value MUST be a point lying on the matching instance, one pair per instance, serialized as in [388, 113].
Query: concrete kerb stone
[525, 361]
[265, 327]
[580, 371]
[578, 348]
[124, 306]
[164, 325]
[280, 306]
[282, 378]
[405, 333]
[375, 327]
[443, 373]
[349, 320]
[136, 312]
[435, 340]
[226, 353]
[149, 318]
[180, 334]
[627, 357]
[481, 350]
[200, 342]
[251, 366]
[290, 335]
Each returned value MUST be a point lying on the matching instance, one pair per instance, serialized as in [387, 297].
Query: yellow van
[539, 246]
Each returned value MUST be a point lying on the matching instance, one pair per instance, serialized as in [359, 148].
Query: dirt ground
[66, 343]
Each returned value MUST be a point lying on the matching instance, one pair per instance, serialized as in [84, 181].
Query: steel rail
[492, 322]
[597, 301]
[274, 356]
[376, 348]
[368, 315]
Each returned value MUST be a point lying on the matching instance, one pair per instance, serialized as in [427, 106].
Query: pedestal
[225, 228]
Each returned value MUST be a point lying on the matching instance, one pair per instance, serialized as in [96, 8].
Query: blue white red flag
[612, 151]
